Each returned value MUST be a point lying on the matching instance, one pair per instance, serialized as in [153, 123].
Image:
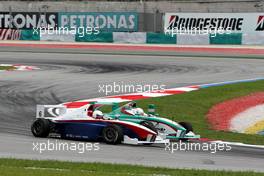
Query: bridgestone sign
[234, 22]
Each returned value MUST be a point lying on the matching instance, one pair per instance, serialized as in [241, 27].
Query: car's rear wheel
[188, 127]
[113, 134]
[40, 128]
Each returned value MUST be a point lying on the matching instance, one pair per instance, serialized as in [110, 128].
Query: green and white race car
[131, 113]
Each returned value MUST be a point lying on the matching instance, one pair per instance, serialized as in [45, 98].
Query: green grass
[193, 107]
[11, 167]
[7, 68]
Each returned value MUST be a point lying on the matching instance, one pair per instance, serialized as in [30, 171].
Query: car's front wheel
[113, 134]
[40, 128]
[188, 127]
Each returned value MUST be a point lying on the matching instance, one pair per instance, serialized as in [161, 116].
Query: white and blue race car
[75, 123]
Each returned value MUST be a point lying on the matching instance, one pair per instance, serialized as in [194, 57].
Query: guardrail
[149, 37]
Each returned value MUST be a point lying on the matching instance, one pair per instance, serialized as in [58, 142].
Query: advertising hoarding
[233, 22]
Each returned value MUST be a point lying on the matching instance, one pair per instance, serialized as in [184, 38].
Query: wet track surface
[67, 77]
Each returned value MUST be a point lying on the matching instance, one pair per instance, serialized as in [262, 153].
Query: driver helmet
[97, 114]
[138, 111]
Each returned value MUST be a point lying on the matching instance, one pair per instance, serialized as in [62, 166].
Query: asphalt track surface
[71, 76]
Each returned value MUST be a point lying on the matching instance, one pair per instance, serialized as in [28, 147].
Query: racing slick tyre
[40, 128]
[150, 126]
[113, 134]
[188, 128]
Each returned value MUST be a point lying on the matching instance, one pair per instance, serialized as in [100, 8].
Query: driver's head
[139, 111]
[97, 114]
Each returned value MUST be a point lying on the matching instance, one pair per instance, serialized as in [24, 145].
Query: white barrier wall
[125, 37]
[253, 39]
[57, 36]
[188, 39]
[155, 38]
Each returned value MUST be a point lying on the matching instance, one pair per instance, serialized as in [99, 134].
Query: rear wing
[50, 111]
